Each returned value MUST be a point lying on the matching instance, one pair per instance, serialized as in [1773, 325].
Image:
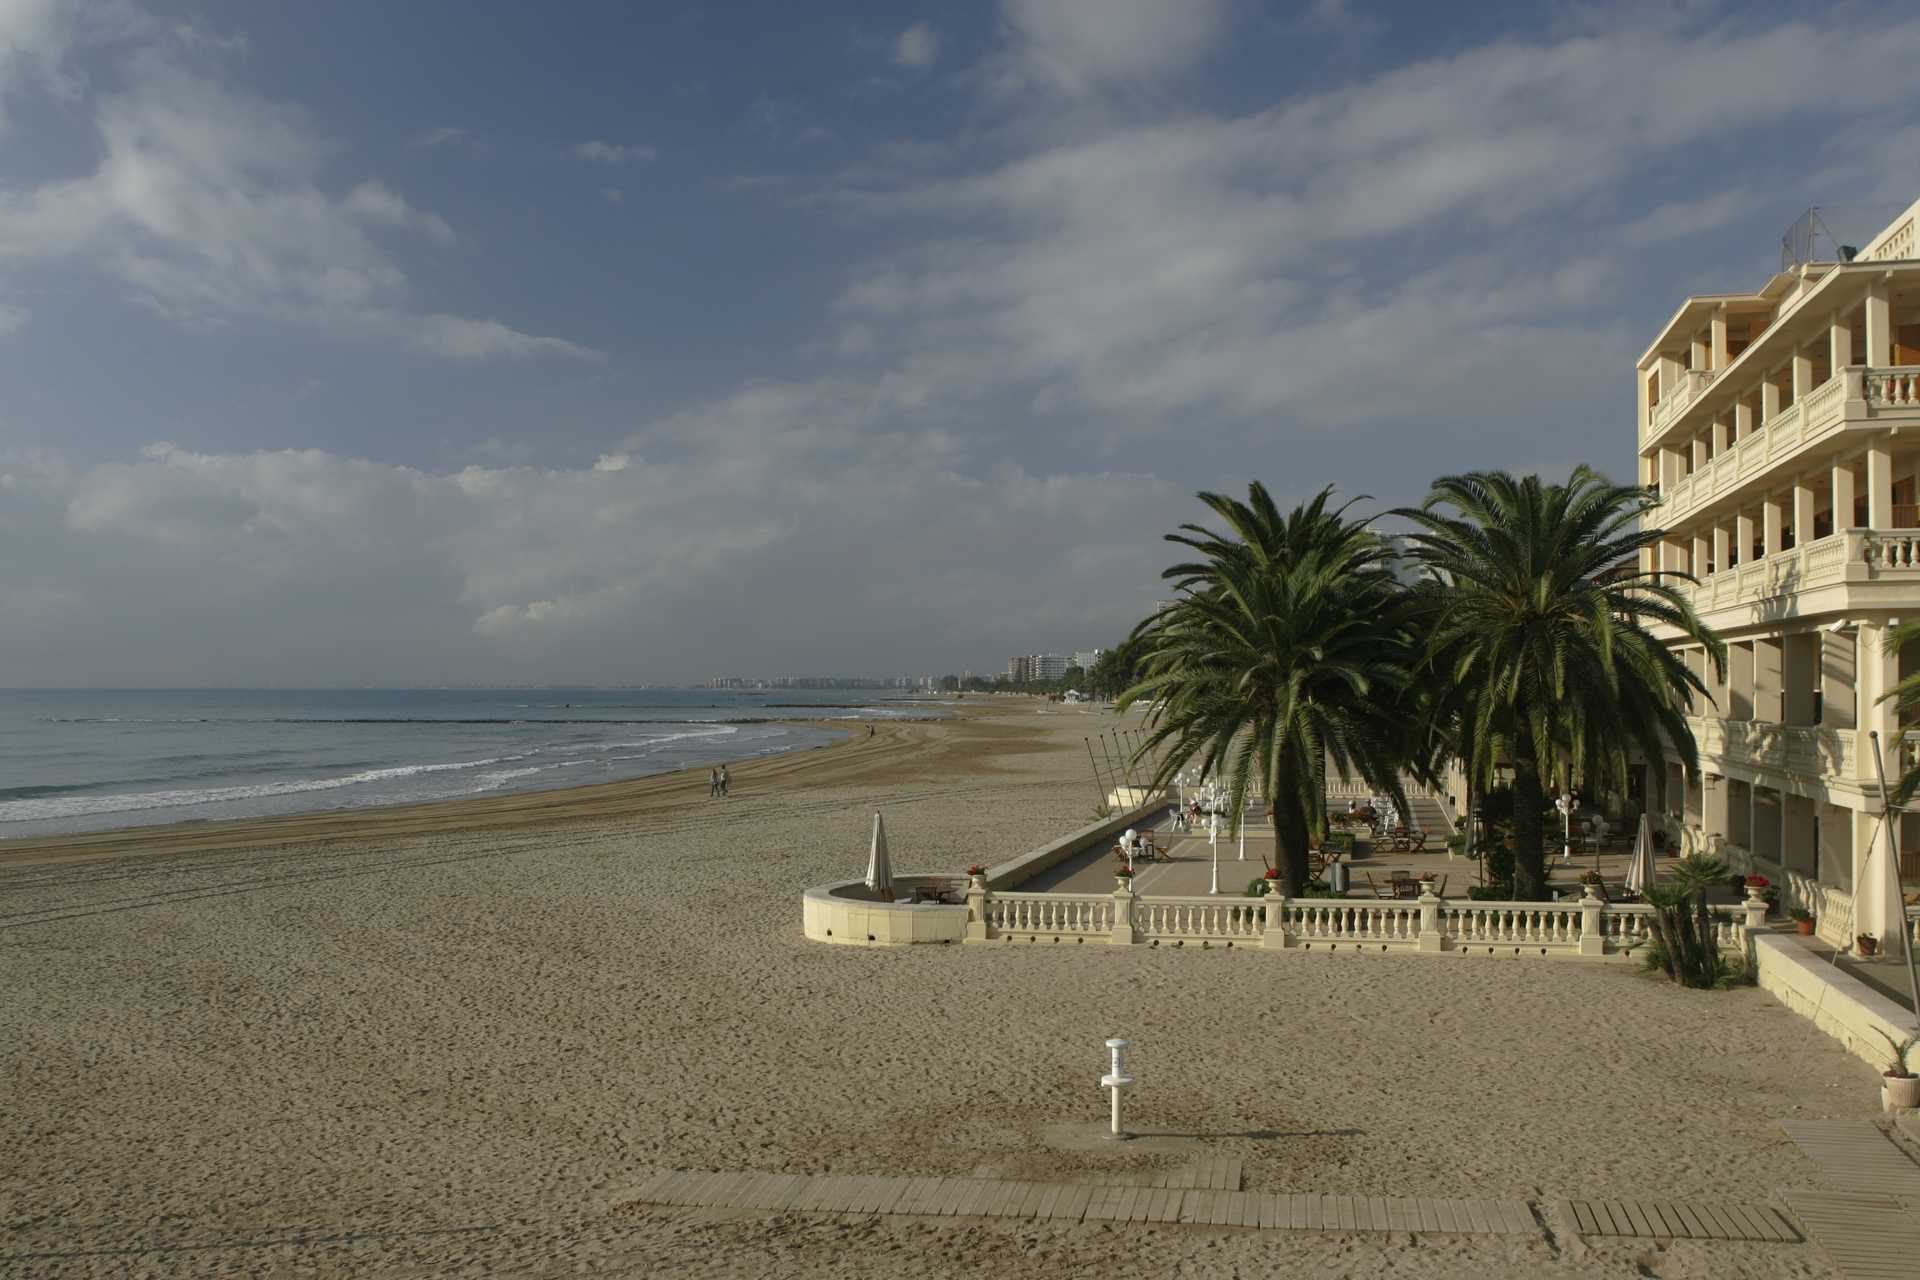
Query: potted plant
[1802, 921]
[1902, 1087]
[1867, 945]
[1122, 877]
[1590, 883]
[977, 874]
[1427, 881]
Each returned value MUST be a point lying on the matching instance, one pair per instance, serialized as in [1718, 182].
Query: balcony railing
[1810, 750]
[1891, 389]
[1853, 555]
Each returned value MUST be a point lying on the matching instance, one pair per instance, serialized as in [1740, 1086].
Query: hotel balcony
[1859, 399]
[1851, 572]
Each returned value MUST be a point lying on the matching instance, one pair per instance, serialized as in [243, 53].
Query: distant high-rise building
[1085, 658]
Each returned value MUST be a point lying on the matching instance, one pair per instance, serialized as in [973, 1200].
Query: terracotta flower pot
[1804, 928]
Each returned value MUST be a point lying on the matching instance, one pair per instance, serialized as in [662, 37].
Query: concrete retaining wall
[1837, 1003]
[1017, 870]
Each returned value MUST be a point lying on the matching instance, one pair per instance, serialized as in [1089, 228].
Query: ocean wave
[73, 806]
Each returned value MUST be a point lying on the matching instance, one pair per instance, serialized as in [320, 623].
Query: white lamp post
[1213, 841]
[1568, 805]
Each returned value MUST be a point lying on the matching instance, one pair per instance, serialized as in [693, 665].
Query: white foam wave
[81, 806]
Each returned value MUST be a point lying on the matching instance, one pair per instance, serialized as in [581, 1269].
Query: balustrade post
[1274, 936]
[976, 909]
[1430, 937]
[1593, 938]
[1123, 934]
[1756, 908]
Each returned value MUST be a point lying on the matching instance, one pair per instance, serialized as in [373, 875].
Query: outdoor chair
[1376, 890]
[1405, 886]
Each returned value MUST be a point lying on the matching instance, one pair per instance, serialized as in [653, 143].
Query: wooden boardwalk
[1856, 1155]
[1869, 1237]
[1679, 1219]
[1085, 1202]
[1870, 1224]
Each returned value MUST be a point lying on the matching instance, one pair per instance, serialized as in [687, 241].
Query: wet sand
[441, 1040]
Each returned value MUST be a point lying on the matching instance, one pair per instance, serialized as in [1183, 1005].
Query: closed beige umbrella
[879, 868]
[1640, 870]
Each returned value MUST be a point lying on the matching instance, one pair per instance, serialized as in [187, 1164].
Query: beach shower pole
[1113, 1081]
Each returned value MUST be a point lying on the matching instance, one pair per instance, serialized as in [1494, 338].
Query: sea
[99, 759]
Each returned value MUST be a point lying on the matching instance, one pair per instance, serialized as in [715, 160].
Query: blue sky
[431, 342]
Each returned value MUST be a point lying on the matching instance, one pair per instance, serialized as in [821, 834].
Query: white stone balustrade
[1018, 915]
[1578, 927]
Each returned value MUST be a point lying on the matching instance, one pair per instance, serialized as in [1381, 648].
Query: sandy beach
[441, 1040]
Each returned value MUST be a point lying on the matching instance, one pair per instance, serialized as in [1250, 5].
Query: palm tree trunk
[1529, 864]
[1289, 829]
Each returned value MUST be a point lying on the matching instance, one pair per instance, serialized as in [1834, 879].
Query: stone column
[1769, 400]
[1802, 512]
[1839, 342]
[1880, 485]
[1274, 936]
[1702, 553]
[1720, 540]
[1842, 496]
[1123, 932]
[1743, 536]
[1430, 937]
[1722, 434]
[1772, 511]
[1717, 332]
[1802, 375]
[1593, 942]
[1742, 419]
[1879, 324]
[976, 909]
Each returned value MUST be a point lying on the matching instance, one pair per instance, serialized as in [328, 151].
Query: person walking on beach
[869, 731]
[723, 780]
[713, 783]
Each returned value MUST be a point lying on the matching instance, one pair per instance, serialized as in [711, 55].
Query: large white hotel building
[1782, 428]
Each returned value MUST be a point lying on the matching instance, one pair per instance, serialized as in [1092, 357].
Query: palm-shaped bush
[1537, 617]
[1905, 697]
[1284, 654]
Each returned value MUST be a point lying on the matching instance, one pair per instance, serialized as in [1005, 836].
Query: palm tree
[1905, 697]
[1282, 655]
[1537, 617]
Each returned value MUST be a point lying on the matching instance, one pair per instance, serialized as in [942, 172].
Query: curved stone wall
[842, 913]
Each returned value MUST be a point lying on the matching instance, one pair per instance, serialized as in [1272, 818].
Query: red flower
[1274, 874]
[976, 870]
[1758, 882]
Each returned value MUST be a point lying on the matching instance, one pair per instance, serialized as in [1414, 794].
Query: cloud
[1445, 220]
[613, 196]
[1079, 47]
[659, 559]
[206, 203]
[613, 153]
[377, 204]
[13, 318]
[918, 47]
[439, 137]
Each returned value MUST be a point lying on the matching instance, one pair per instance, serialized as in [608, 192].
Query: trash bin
[1337, 877]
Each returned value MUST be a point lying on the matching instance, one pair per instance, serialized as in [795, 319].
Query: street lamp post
[1213, 841]
[1568, 804]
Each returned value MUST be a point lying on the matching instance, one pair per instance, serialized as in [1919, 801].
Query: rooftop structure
[1778, 427]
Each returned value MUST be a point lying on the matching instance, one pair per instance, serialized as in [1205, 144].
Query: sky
[445, 342]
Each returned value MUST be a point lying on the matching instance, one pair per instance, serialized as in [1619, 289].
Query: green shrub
[1339, 840]
[1497, 858]
[1319, 889]
[1490, 892]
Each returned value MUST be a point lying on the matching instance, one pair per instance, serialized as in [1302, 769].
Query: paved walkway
[1191, 870]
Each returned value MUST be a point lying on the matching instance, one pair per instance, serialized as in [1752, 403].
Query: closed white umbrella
[879, 868]
[1640, 870]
